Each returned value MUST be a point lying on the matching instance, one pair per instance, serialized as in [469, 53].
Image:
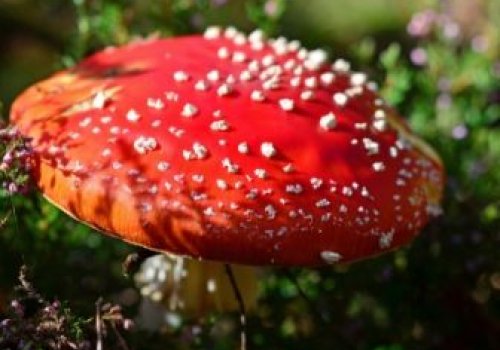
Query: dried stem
[121, 341]
[98, 325]
[26, 285]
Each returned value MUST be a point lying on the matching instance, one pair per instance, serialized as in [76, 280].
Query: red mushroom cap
[230, 147]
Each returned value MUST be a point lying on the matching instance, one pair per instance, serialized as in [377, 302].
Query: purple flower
[418, 56]
[56, 304]
[12, 188]
[5, 323]
[17, 307]
[128, 324]
[387, 273]
[479, 43]
[271, 8]
[15, 160]
[477, 169]
[451, 29]
[7, 158]
[460, 132]
[443, 101]
[197, 20]
[444, 84]
[421, 23]
[496, 69]
[218, 3]
[456, 239]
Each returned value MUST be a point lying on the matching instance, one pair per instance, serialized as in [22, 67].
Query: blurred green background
[438, 62]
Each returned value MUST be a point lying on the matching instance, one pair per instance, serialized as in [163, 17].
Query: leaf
[390, 56]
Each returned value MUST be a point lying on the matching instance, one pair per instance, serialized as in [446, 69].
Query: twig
[98, 324]
[123, 343]
[26, 284]
[241, 304]
[4, 220]
[14, 214]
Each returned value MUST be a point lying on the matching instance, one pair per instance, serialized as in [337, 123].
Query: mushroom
[232, 148]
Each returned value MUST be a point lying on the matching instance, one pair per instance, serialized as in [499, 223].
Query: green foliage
[442, 292]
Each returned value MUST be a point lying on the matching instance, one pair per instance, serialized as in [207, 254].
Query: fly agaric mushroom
[232, 148]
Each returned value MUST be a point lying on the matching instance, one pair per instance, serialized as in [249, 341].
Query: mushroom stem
[178, 274]
[241, 304]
